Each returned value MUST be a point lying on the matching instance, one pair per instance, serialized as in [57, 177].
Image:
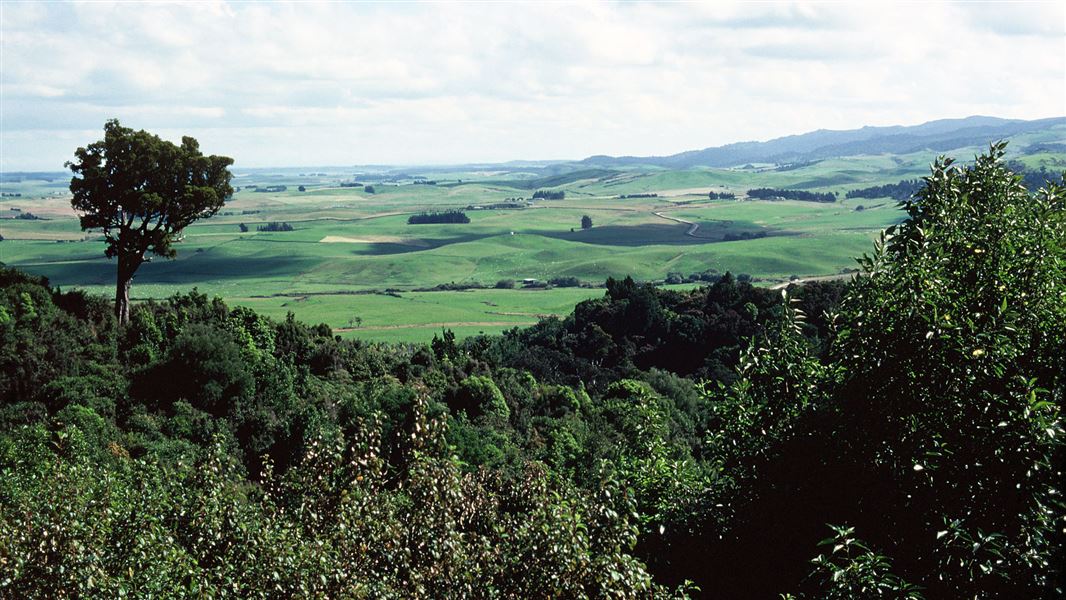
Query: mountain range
[940, 135]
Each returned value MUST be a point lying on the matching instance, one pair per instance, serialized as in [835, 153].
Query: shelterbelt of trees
[896, 436]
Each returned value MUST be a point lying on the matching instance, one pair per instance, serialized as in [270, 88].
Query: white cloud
[339, 83]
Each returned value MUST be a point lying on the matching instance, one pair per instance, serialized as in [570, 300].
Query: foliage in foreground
[952, 381]
[941, 435]
[342, 523]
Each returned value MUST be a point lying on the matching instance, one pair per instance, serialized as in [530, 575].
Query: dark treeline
[624, 196]
[349, 184]
[269, 188]
[504, 284]
[1034, 179]
[732, 236]
[722, 195]
[709, 276]
[881, 437]
[773, 194]
[274, 226]
[549, 195]
[497, 206]
[897, 191]
[567, 281]
[448, 216]
[796, 165]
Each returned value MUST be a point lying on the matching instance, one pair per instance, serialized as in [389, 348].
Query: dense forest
[894, 436]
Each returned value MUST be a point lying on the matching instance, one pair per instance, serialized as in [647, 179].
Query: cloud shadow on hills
[192, 270]
[386, 248]
[665, 234]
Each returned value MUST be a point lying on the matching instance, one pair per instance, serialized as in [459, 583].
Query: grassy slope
[278, 272]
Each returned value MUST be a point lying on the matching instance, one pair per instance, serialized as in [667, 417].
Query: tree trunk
[127, 266]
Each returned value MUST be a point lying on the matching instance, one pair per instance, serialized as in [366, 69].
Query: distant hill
[17, 176]
[941, 135]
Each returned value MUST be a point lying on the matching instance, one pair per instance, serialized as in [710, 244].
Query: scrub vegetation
[896, 434]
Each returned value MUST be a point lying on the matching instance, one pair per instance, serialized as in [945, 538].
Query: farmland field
[352, 260]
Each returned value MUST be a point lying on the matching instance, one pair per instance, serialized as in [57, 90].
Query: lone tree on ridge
[586, 222]
[142, 191]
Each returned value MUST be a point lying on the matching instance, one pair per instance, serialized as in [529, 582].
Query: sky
[305, 84]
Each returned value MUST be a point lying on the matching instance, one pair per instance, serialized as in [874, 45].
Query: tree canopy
[142, 191]
[651, 437]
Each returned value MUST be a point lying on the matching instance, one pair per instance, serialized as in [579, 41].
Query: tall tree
[142, 191]
[586, 222]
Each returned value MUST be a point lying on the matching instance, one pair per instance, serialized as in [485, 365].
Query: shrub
[564, 282]
[478, 396]
[204, 366]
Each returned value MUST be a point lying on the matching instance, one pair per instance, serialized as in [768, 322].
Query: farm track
[802, 280]
[693, 227]
[578, 206]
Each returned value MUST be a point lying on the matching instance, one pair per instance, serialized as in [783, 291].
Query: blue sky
[275, 84]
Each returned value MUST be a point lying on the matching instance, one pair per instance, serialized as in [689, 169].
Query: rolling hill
[941, 135]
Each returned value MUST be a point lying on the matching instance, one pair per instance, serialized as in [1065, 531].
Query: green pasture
[415, 316]
[347, 242]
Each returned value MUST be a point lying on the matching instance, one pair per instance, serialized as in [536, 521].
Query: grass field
[416, 316]
[346, 240]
